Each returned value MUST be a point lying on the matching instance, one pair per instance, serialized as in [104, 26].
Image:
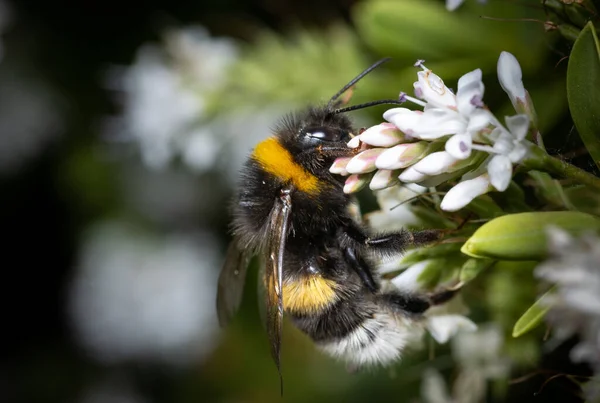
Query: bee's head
[316, 138]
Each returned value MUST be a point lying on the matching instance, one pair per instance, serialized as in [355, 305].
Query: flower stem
[541, 161]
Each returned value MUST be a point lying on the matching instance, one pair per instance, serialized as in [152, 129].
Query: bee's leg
[394, 242]
[416, 304]
[406, 303]
[361, 268]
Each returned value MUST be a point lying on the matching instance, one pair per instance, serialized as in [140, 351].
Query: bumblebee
[293, 212]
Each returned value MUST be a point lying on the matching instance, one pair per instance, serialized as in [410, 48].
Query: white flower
[452, 5]
[165, 96]
[575, 267]
[479, 358]
[138, 297]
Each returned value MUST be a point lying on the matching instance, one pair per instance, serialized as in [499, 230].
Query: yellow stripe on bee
[278, 161]
[308, 294]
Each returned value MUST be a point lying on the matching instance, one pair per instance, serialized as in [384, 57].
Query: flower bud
[523, 236]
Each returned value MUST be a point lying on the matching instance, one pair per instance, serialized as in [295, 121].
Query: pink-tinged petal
[384, 178]
[432, 89]
[511, 77]
[339, 166]
[443, 327]
[411, 175]
[500, 172]
[435, 163]
[518, 126]
[404, 119]
[459, 146]
[354, 183]
[354, 142]
[382, 135]
[463, 193]
[401, 156]
[364, 162]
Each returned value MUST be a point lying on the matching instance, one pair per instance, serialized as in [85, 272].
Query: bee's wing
[278, 230]
[231, 282]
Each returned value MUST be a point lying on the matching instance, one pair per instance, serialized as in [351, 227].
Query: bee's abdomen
[361, 333]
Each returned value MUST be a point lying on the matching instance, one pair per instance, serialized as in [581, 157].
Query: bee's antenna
[356, 79]
[368, 105]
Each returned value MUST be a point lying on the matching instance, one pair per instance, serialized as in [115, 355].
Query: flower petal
[339, 166]
[518, 126]
[500, 172]
[431, 88]
[383, 178]
[478, 120]
[435, 163]
[407, 280]
[354, 142]
[411, 175]
[354, 183]
[364, 162]
[404, 119]
[459, 146]
[470, 78]
[463, 193]
[382, 135]
[452, 5]
[511, 77]
[400, 156]
[443, 327]
[469, 98]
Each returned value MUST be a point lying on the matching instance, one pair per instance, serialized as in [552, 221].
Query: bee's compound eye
[323, 134]
[318, 135]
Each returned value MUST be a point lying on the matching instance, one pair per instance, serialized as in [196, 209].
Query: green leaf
[532, 317]
[583, 89]
[472, 268]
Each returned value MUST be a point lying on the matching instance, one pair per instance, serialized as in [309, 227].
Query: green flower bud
[523, 236]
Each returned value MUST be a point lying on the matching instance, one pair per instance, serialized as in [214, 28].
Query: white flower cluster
[165, 94]
[575, 307]
[137, 297]
[452, 5]
[479, 359]
[453, 135]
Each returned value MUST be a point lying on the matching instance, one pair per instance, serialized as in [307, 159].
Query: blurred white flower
[165, 93]
[574, 266]
[452, 5]
[479, 358]
[31, 117]
[467, 129]
[139, 297]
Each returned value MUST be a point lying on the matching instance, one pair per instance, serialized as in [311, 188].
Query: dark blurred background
[62, 174]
